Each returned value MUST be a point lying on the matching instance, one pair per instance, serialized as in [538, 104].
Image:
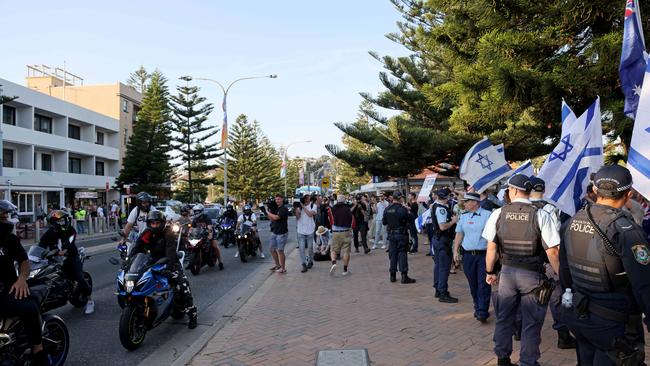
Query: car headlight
[129, 285]
[194, 242]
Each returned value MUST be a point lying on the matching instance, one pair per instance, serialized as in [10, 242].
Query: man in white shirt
[305, 227]
[249, 218]
[138, 217]
[380, 228]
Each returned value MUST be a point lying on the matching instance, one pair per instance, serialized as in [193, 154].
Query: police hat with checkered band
[611, 180]
[520, 182]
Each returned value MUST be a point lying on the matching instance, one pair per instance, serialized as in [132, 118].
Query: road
[94, 338]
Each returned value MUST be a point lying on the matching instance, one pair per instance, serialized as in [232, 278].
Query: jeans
[305, 244]
[380, 232]
[81, 226]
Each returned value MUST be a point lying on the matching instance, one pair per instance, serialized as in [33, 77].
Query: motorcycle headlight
[245, 236]
[129, 285]
[194, 242]
[176, 228]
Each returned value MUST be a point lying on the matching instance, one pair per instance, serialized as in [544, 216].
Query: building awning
[30, 181]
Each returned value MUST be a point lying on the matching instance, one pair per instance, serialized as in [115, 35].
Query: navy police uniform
[605, 260]
[442, 243]
[396, 218]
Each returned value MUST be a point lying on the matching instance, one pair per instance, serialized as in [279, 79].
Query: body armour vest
[540, 204]
[449, 233]
[593, 268]
[519, 237]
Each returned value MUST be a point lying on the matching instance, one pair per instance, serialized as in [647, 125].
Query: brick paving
[293, 316]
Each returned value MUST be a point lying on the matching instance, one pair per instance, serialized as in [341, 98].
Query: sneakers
[345, 273]
[90, 307]
[356, 250]
[310, 264]
[220, 266]
[333, 269]
[262, 255]
[237, 254]
[304, 268]
[383, 246]
[373, 247]
[366, 251]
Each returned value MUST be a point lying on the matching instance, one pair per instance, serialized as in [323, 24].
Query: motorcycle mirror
[113, 261]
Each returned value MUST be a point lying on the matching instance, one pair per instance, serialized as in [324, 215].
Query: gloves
[171, 274]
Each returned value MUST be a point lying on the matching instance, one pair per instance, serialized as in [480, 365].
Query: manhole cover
[343, 357]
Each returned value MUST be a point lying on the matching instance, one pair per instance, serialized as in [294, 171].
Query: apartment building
[55, 152]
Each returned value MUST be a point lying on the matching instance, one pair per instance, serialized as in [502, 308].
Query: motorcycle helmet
[159, 217]
[143, 199]
[9, 209]
[60, 220]
[187, 209]
[248, 209]
[198, 209]
[230, 207]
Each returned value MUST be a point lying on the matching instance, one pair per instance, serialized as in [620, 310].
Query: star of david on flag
[484, 165]
[566, 141]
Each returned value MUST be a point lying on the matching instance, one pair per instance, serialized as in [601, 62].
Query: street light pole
[285, 159]
[224, 130]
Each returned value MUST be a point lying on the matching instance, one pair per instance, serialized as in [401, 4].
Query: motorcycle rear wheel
[56, 339]
[132, 328]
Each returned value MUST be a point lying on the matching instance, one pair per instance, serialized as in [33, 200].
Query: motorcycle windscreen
[245, 229]
[197, 233]
[36, 253]
[140, 261]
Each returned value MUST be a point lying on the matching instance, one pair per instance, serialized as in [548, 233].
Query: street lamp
[284, 158]
[224, 129]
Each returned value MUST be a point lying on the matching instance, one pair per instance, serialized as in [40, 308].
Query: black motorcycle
[15, 349]
[200, 250]
[246, 243]
[227, 227]
[47, 269]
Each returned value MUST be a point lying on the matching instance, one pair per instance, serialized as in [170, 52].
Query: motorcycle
[15, 349]
[145, 296]
[246, 243]
[200, 250]
[47, 269]
[227, 226]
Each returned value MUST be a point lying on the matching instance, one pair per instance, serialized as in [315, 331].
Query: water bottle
[567, 299]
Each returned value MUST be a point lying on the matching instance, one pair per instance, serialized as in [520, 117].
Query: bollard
[37, 232]
[90, 226]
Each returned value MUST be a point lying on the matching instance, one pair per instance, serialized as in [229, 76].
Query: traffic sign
[325, 182]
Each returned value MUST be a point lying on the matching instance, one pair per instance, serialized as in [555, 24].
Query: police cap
[538, 184]
[443, 193]
[520, 182]
[612, 179]
[471, 196]
[397, 194]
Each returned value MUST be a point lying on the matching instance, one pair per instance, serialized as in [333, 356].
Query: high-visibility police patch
[641, 254]
[442, 211]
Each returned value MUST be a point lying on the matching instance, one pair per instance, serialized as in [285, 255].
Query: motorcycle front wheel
[132, 328]
[56, 339]
[195, 263]
[242, 253]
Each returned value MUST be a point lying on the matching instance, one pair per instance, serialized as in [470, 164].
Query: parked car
[213, 213]
[170, 212]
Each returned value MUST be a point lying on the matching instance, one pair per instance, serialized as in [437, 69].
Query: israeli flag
[526, 168]
[568, 117]
[567, 169]
[638, 157]
[484, 165]
[422, 219]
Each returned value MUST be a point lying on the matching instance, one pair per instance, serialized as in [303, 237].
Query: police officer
[564, 338]
[605, 261]
[396, 218]
[526, 239]
[444, 231]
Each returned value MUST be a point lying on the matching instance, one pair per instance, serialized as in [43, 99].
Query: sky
[319, 50]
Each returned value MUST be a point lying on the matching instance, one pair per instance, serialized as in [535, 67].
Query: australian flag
[633, 58]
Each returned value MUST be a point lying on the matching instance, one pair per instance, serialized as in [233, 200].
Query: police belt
[613, 315]
[400, 231]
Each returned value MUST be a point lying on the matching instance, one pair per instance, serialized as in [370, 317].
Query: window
[7, 158]
[99, 168]
[74, 132]
[74, 165]
[42, 123]
[125, 106]
[46, 162]
[8, 115]
[100, 138]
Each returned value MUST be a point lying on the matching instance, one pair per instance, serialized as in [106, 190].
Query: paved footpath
[293, 316]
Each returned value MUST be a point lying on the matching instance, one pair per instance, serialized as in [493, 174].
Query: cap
[520, 182]
[471, 196]
[397, 194]
[538, 184]
[442, 193]
[618, 177]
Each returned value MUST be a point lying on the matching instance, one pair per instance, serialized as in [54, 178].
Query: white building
[54, 152]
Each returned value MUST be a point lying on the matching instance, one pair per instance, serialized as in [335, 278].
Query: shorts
[340, 242]
[278, 241]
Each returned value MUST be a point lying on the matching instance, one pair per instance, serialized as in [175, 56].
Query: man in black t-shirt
[15, 299]
[279, 233]
[359, 209]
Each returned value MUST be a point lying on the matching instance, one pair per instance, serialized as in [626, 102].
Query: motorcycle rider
[249, 218]
[15, 298]
[138, 215]
[202, 220]
[62, 236]
[230, 214]
[159, 240]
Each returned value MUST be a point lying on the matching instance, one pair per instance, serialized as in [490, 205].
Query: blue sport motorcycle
[146, 298]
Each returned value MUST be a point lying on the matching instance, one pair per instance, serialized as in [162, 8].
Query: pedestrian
[40, 214]
[526, 239]
[278, 215]
[342, 221]
[604, 260]
[321, 245]
[564, 338]
[380, 228]
[413, 209]
[397, 218]
[305, 228]
[80, 216]
[323, 218]
[444, 231]
[473, 248]
[100, 219]
[359, 209]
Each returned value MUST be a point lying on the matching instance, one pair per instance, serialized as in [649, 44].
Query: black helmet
[141, 199]
[187, 209]
[198, 209]
[156, 216]
[248, 209]
[60, 220]
[230, 207]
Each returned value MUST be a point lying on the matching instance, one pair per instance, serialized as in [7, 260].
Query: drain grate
[343, 357]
